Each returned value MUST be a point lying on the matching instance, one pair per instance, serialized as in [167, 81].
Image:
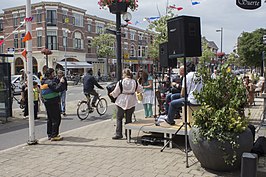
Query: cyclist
[88, 87]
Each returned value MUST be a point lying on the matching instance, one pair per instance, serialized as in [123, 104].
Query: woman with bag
[148, 94]
[126, 100]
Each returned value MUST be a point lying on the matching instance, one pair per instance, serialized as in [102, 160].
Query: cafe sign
[248, 4]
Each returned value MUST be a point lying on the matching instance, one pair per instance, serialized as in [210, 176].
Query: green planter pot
[120, 7]
[210, 155]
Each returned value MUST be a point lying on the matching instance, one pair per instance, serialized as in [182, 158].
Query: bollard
[249, 164]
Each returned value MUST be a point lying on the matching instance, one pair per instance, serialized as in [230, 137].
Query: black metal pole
[185, 90]
[118, 44]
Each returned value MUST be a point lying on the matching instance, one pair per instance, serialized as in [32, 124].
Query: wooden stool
[190, 110]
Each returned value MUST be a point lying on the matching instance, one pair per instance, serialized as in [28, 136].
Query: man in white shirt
[194, 84]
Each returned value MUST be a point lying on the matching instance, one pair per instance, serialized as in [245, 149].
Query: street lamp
[221, 31]
[127, 17]
[66, 34]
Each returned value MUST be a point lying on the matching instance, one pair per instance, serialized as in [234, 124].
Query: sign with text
[248, 4]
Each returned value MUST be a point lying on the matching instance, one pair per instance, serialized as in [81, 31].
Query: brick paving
[89, 151]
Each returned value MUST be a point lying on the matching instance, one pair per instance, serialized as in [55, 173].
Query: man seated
[194, 84]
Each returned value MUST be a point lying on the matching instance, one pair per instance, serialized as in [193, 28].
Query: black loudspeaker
[184, 37]
[165, 61]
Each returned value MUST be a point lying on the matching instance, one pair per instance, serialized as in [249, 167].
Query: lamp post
[66, 34]
[221, 31]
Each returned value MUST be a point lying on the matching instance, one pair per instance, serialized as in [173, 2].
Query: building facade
[68, 32]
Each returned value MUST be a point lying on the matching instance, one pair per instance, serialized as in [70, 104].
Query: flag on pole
[27, 37]
[1, 41]
[195, 2]
[24, 54]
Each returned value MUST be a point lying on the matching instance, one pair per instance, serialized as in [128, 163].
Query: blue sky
[214, 14]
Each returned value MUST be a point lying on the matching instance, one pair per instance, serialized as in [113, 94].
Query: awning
[76, 64]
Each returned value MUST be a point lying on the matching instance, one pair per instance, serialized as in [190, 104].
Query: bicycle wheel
[83, 110]
[101, 106]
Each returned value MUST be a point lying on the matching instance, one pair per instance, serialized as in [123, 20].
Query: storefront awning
[75, 64]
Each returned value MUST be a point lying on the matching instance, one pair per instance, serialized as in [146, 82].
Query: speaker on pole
[165, 61]
[184, 37]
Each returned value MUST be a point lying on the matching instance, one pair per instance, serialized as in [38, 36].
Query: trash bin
[5, 91]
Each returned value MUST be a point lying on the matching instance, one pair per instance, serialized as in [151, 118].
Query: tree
[104, 44]
[207, 54]
[250, 47]
[160, 28]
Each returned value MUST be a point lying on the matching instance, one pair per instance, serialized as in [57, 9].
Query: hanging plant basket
[120, 7]
[46, 51]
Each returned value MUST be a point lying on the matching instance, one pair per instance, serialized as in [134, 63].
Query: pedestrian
[39, 75]
[36, 99]
[99, 73]
[60, 74]
[50, 96]
[88, 87]
[126, 101]
[24, 98]
[148, 94]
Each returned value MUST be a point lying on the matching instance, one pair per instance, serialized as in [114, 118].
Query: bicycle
[84, 107]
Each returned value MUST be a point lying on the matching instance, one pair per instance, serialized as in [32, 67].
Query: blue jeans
[170, 97]
[173, 107]
[63, 101]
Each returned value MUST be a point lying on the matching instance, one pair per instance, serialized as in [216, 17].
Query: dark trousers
[54, 117]
[36, 107]
[121, 113]
[95, 94]
[26, 108]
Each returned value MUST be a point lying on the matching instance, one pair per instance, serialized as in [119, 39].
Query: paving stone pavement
[90, 152]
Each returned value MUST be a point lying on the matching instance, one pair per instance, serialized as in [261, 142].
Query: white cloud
[214, 14]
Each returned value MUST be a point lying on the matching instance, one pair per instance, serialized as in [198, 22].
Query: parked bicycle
[84, 107]
[19, 102]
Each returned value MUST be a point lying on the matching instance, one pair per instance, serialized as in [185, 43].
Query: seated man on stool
[194, 84]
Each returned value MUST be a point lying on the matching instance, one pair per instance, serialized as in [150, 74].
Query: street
[16, 131]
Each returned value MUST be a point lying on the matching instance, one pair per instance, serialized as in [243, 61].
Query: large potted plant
[220, 133]
[118, 6]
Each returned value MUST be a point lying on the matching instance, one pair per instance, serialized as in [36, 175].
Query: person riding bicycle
[89, 82]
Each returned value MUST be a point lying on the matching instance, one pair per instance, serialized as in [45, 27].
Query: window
[132, 51]
[89, 46]
[51, 17]
[16, 40]
[52, 39]
[1, 25]
[22, 16]
[99, 28]
[64, 38]
[39, 38]
[22, 44]
[78, 41]
[64, 18]
[132, 35]
[89, 26]
[78, 20]
[139, 52]
[15, 20]
[144, 51]
[140, 36]
[39, 16]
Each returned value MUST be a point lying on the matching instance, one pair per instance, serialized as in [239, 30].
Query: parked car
[15, 81]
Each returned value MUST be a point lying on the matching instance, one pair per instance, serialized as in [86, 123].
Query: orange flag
[27, 37]
[24, 54]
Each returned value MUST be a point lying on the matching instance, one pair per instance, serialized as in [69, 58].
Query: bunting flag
[24, 54]
[1, 41]
[195, 3]
[177, 8]
[129, 22]
[137, 22]
[27, 37]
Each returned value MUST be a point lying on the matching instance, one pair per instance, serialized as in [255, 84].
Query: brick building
[68, 31]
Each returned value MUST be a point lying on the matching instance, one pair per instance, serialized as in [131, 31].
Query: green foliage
[250, 47]
[104, 45]
[160, 28]
[221, 115]
[207, 54]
